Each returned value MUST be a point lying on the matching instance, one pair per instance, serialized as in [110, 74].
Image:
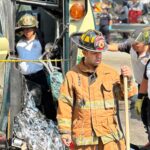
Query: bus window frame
[40, 3]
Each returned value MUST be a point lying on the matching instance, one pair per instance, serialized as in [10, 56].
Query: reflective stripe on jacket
[86, 105]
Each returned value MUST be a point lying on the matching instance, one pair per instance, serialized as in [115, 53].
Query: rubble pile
[32, 127]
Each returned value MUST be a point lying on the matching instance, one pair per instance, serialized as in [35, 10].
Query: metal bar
[126, 113]
[39, 3]
[127, 27]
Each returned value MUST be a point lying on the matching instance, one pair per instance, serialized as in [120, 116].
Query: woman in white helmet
[29, 48]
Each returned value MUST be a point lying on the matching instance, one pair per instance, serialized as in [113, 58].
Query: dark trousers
[46, 99]
[125, 35]
[145, 114]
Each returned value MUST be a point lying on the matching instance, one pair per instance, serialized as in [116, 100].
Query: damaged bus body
[58, 21]
[7, 25]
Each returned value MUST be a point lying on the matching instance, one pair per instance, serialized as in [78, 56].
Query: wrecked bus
[58, 21]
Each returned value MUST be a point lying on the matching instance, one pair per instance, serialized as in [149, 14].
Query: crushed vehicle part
[31, 126]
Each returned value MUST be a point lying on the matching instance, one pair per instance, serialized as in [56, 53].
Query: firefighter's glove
[138, 106]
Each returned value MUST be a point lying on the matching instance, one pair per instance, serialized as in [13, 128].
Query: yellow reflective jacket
[86, 105]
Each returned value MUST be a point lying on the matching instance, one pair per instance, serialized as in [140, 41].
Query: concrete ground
[137, 131]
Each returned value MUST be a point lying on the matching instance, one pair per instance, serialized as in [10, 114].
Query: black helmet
[92, 40]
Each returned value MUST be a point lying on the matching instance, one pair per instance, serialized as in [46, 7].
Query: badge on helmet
[27, 21]
[92, 40]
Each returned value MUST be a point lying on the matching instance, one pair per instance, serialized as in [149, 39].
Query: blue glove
[110, 27]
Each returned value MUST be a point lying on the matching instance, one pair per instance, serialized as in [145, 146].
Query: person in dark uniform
[123, 16]
[142, 105]
[105, 23]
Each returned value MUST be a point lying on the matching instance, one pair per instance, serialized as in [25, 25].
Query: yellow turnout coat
[86, 105]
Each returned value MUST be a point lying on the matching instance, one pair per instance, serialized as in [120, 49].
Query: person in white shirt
[29, 48]
[136, 5]
[135, 11]
[138, 48]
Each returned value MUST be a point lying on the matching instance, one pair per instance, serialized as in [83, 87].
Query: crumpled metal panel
[7, 22]
[32, 127]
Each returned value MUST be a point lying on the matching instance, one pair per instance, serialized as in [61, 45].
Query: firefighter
[86, 105]
[29, 48]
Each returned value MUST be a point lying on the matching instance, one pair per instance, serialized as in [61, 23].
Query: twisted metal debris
[32, 127]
